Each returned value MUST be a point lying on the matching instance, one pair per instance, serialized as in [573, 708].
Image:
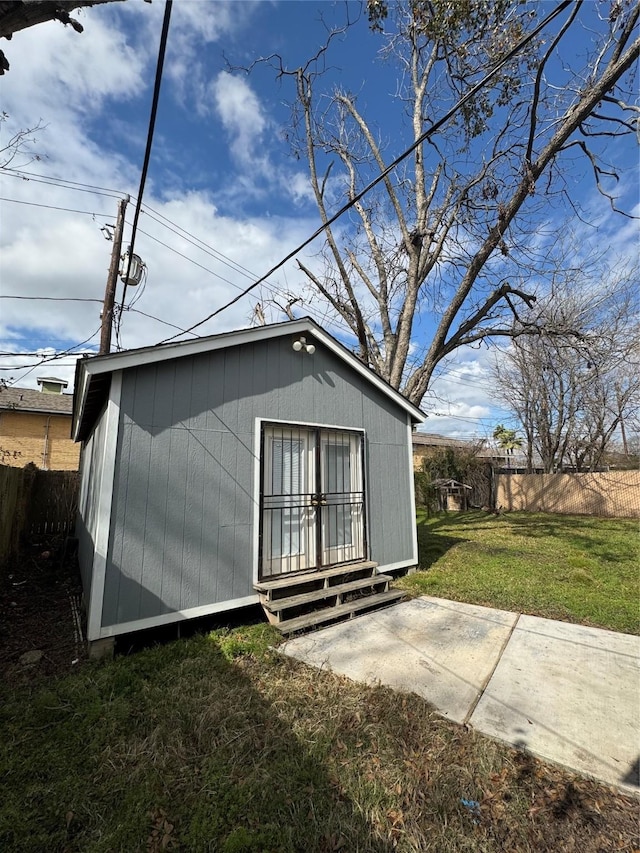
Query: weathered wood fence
[34, 502]
[611, 494]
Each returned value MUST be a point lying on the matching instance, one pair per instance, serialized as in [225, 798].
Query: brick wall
[42, 439]
[611, 494]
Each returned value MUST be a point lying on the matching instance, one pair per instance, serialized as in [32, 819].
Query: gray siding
[182, 516]
[92, 469]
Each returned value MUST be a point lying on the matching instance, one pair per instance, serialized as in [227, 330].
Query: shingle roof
[28, 400]
[430, 439]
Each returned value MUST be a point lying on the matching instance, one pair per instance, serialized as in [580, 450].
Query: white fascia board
[81, 393]
[153, 355]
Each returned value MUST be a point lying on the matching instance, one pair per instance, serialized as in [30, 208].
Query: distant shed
[452, 495]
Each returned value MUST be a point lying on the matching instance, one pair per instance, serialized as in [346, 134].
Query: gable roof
[93, 375]
[28, 400]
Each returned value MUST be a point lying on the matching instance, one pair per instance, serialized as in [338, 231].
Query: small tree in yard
[452, 232]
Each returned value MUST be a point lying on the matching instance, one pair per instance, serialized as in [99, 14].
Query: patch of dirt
[40, 612]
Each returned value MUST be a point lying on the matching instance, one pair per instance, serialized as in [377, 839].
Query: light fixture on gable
[301, 344]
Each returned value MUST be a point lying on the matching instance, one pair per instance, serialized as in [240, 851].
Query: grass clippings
[571, 568]
[218, 743]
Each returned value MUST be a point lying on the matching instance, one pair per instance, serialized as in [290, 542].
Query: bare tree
[572, 394]
[17, 151]
[449, 232]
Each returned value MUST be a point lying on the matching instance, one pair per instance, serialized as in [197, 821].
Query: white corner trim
[103, 511]
[176, 616]
[412, 491]
[257, 465]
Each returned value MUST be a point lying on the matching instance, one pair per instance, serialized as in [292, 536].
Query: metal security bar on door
[312, 501]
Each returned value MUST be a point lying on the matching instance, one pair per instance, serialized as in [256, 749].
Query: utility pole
[112, 281]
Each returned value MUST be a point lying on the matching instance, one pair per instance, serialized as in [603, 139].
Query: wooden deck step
[279, 604]
[349, 609]
[268, 587]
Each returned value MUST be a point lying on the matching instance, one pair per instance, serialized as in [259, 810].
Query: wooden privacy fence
[610, 494]
[34, 502]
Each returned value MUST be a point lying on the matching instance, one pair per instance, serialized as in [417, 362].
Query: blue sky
[221, 172]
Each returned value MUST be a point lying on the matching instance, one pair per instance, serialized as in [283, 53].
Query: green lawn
[571, 568]
[218, 743]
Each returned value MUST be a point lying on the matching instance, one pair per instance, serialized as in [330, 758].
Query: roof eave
[88, 369]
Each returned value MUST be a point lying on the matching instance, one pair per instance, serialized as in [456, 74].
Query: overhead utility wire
[52, 207]
[197, 242]
[14, 173]
[51, 298]
[54, 357]
[63, 181]
[147, 154]
[177, 229]
[149, 211]
[275, 291]
[422, 138]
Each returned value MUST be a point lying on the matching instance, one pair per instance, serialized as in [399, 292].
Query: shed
[452, 495]
[218, 472]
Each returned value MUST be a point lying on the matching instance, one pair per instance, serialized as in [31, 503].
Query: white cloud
[241, 114]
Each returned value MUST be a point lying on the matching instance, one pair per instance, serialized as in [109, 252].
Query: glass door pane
[342, 504]
[288, 516]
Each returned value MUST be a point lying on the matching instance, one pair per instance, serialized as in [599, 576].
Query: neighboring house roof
[28, 400]
[55, 379]
[430, 439]
[93, 375]
[451, 484]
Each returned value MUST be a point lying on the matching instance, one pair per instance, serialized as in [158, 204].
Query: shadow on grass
[431, 544]
[588, 534]
[172, 748]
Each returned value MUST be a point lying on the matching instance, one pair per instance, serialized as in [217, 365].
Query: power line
[147, 154]
[197, 242]
[11, 173]
[63, 181]
[225, 259]
[52, 207]
[54, 357]
[151, 317]
[419, 141]
[275, 291]
[50, 298]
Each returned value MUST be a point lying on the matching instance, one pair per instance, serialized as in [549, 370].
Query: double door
[312, 499]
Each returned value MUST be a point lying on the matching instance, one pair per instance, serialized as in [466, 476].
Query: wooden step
[375, 601]
[278, 604]
[281, 583]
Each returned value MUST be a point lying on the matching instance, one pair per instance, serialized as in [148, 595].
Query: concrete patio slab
[444, 651]
[571, 694]
[564, 692]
